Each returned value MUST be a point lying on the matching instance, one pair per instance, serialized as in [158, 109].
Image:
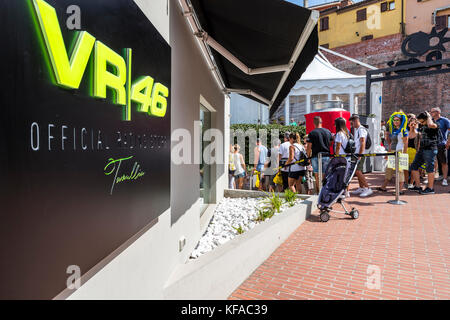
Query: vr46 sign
[149, 96]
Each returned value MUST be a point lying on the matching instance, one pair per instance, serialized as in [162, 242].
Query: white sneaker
[444, 182]
[367, 192]
[359, 191]
[347, 194]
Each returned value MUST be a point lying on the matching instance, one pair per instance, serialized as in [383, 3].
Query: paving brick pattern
[407, 246]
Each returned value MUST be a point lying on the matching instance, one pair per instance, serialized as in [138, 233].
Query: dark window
[361, 15]
[368, 37]
[324, 24]
[326, 45]
[384, 6]
[441, 22]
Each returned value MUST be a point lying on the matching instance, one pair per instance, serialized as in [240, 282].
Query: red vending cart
[328, 116]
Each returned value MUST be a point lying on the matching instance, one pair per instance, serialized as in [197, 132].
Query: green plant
[264, 213]
[239, 229]
[275, 202]
[290, 197]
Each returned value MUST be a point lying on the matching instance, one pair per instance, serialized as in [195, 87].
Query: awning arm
[250, 93]
[310, 25]
[348, 58]
[205, 37]
[194, 24]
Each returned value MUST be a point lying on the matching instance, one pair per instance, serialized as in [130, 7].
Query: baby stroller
[338, 175]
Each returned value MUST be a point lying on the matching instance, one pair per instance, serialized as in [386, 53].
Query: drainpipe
[403, 21]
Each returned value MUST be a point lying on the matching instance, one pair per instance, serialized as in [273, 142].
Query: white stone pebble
[231, 213]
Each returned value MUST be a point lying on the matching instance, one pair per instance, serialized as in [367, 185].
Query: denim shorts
[240, 175]
[426, 157]
[315, 164]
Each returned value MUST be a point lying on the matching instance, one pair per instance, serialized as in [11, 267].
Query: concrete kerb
[216, 274]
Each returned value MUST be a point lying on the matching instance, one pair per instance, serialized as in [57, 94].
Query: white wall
[244, 110]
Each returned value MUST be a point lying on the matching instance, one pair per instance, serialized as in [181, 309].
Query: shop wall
[141, 270]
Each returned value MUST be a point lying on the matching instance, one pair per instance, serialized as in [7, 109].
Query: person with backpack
[282, 159]
[296, 171]
[343, 141]
[362, 144]
[319, 141]
[428, 150]
[397, 140]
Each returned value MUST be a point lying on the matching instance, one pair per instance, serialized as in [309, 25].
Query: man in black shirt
[429, 137]
[319, 140]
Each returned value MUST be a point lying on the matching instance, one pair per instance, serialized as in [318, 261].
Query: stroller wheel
[354, 214]
[324, 216]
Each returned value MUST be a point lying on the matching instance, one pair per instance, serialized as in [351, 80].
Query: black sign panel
[77, 180]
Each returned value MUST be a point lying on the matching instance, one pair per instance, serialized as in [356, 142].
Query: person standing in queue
[319, 140]
[283, 156]
[443, 144]
[427, 152]
[261, 153]
[296, 171]
[360, 134]
[341, 140]
[397, 140]
[240, 169]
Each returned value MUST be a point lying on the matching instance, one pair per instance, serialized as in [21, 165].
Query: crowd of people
[425, 138]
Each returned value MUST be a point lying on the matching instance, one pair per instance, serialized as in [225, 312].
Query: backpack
[351, 146]
[368, 139]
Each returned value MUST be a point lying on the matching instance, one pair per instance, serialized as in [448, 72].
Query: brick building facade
[411, 94]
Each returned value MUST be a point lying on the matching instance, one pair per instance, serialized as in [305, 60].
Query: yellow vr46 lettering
[151, 99]
[103, 78]
[68, 73]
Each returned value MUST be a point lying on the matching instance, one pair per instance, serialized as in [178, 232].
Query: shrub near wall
[261, 130]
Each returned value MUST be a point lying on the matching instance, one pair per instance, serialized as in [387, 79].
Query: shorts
[315, 164]
[240, 175]
[297, 174]
[268, 180]
[361, 163]
[390, 173]
[260, 167]
[411, 155]
[424, 156]
[442, 154]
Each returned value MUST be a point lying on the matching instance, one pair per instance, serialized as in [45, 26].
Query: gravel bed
[229, 214]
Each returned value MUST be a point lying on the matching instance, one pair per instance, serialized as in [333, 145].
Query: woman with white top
[341, 140]
[296, 171]
[342, 136]
[239, 164]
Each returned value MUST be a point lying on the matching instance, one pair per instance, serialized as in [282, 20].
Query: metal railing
[397, 200]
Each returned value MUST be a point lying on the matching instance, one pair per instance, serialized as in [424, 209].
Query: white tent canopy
[323, 82]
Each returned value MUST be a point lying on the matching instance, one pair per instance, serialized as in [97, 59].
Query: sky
[313, 2]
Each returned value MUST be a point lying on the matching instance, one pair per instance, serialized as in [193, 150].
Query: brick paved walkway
[409, 245]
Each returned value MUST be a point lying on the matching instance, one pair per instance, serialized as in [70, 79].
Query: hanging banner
[85, 138]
